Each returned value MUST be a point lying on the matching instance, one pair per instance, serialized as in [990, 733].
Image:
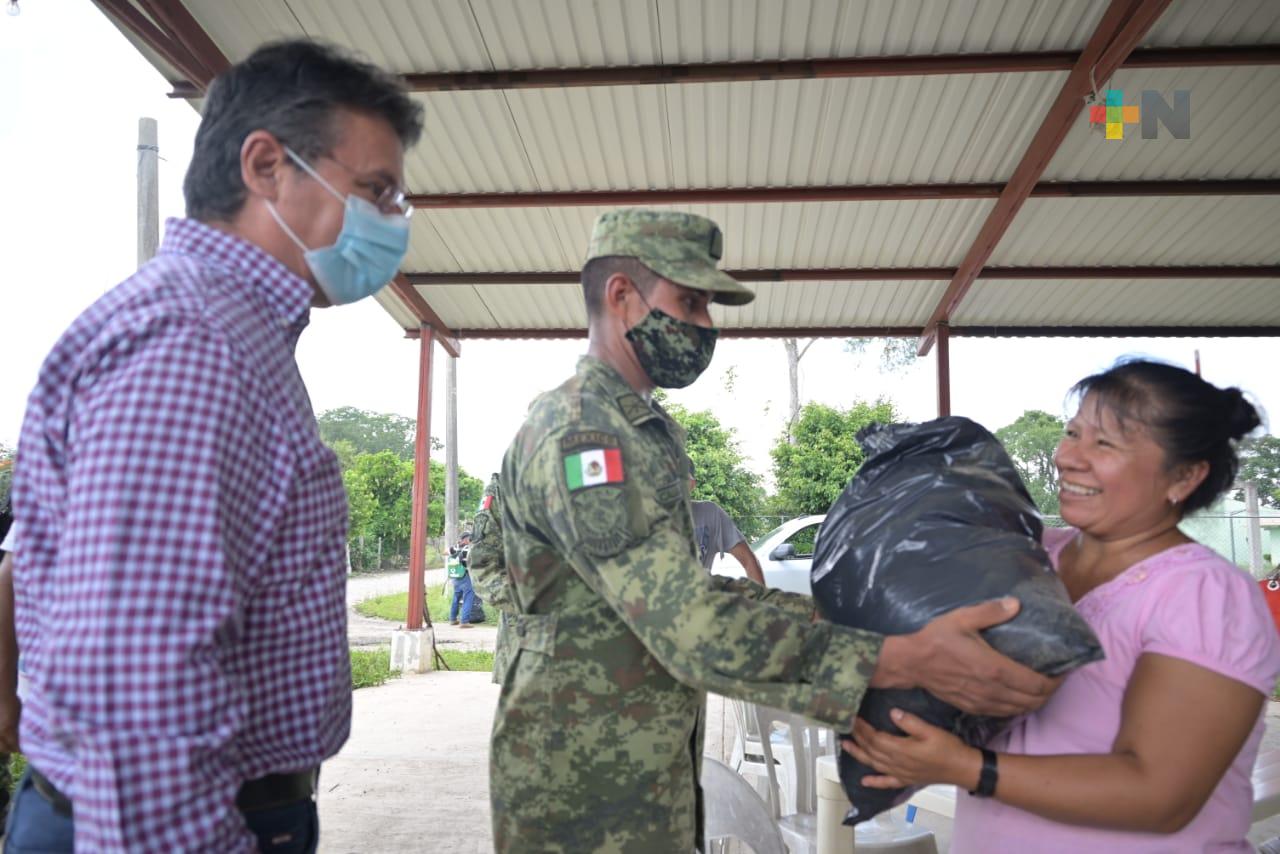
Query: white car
[785, 555]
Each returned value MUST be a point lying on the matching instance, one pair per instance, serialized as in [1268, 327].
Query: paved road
[365, 631]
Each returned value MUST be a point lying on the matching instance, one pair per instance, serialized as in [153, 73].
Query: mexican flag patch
[486, 502]
[593, 467]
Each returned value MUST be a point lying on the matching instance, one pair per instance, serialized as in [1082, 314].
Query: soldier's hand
[949, 659]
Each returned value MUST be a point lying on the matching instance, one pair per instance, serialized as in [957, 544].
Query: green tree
[1260, 463]
[369, 432]
[720, 470]
[470, 491]
[895, 353]
[6, 474]
[382, 486]
[380, 504]
[823, 454]
[346, 452]
[1031, 441]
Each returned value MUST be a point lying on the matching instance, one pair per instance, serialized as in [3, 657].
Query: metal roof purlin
[809, 69]
[986, 331]
[873, 274]
[854, 193]
[1123, 25]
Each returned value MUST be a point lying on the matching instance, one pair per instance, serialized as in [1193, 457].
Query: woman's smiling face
[1113, 477]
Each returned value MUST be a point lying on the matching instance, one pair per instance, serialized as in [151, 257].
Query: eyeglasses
[391, 199]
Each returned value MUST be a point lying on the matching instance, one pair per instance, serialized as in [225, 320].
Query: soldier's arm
[488, 560]
[797, 604]
[626, 544]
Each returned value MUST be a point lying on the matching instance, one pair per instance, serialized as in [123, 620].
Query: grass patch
[395, 606]
[468, 659]
[370, 668]
[17, 764]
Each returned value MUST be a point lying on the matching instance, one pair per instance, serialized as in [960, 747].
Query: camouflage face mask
[672, 352]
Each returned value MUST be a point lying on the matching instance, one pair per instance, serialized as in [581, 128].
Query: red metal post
[944, 369]
[421, 483]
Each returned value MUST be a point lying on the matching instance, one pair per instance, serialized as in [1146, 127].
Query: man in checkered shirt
[180, 579]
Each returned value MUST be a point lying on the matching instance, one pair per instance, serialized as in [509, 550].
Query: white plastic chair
[939, 800]
[746, 758]
[1266, 785]
[800, 826]
[734, 810]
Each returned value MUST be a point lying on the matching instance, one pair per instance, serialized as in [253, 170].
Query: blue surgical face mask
[366, 254]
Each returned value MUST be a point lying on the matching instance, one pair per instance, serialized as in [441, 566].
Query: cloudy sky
[72, 93]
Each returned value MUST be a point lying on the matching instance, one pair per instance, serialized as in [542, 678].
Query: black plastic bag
[936, 519]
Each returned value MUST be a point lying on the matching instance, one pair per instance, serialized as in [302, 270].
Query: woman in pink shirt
[1151, 749]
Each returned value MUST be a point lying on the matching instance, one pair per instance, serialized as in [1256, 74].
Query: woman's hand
[926, 754]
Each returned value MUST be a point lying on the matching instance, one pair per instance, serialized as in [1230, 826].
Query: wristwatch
[988, 777]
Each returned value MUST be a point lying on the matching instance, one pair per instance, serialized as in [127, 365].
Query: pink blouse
[1186, 602]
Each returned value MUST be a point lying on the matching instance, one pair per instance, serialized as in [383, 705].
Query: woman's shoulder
[1200, 606]
[1196, 563]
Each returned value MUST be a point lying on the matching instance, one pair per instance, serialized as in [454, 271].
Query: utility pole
[1255, 528]
[148, 190]
[451, 451]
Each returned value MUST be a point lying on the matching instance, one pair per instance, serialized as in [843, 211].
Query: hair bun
[1241, 416]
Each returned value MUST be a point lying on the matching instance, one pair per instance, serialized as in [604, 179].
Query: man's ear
[618, 291]
[262, 159]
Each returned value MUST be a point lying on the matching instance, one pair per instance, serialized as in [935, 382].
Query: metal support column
[421, 483]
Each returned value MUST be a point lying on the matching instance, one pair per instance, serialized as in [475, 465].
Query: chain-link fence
[1229, 534]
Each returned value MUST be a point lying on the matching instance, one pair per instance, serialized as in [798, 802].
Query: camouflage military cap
[680, 247]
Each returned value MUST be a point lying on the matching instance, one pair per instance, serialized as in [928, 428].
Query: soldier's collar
[634, 407]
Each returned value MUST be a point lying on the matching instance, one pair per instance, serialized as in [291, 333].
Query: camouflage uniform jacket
[488, 570]
[597, 741]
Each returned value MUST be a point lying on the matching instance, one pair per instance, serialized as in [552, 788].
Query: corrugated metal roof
[397, 309]
[1120, 302]
[761, 236]
[457, 35]
[797, 304]
[1235, 122]
[507, 306]
[962, 128]
[753, 134]
[1141, 230]
[895, 303]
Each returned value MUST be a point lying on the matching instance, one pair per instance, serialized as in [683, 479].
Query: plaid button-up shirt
[180, 580]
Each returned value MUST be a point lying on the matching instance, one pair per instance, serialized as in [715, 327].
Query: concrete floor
[414, 774]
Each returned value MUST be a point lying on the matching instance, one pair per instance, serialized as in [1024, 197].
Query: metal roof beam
[168, 28]
[425, 314]
[976, 331]
[809, 69]
[848, 193]
[1123, 25]
[173, 16]
[874, 274]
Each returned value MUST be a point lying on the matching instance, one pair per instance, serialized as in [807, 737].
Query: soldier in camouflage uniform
[597, 740]
[489, 574]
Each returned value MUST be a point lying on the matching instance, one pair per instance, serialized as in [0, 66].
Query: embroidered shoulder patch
[591, 458]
